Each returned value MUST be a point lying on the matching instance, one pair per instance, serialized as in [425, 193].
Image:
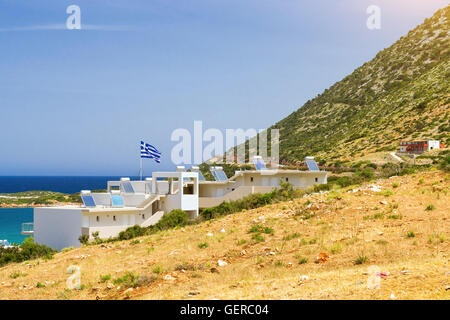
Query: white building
[419, 146]
[243, 183]
[127, 203]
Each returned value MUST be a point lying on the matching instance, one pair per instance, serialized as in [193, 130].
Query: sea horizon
[63, 184]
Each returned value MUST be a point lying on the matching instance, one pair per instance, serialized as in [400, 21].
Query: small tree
[84, 239]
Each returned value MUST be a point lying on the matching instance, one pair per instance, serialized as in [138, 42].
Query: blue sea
[11, 219]
[62, 184]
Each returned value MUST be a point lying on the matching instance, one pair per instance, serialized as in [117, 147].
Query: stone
[221, 263]
[321, 258]
[168, 277]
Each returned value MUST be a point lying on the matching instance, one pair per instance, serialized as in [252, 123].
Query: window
[287, 179]
[98, 218]
[143, 216]
[251, 179]
[317, 179]
[114, 218]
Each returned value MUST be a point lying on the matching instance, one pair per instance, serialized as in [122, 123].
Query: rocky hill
[403, 93]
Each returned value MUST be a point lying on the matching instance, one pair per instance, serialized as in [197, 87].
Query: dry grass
[344, 225]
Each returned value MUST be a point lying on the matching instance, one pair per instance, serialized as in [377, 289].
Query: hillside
[37, 199]
[394, 230]
[403, 93]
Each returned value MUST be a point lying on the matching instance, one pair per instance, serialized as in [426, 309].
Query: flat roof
[268, 172]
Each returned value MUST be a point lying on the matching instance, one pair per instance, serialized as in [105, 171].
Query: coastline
[20, 206]
[34, 199]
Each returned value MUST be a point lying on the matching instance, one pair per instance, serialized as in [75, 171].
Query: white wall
[133, 200]
[433, 144]
[56, 227]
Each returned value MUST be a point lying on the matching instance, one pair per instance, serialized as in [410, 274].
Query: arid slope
[406, 243]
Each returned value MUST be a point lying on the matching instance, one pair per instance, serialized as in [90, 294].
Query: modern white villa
[127, 203]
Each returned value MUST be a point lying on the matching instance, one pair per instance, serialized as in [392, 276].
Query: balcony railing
[27, 228]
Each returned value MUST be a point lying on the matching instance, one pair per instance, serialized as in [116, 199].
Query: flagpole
[140, 170]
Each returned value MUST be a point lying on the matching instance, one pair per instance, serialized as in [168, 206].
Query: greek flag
[150, 152]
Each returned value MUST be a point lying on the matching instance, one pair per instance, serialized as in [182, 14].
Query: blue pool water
[11, 223]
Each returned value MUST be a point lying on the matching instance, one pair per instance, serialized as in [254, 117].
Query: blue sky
[77, 102]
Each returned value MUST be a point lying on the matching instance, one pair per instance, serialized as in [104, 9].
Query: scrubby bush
[284, 193]
[361, 259]
[175, 218]
[366, 173]
[133, 232]
[28, 250]
[257, 228]
[84, 239]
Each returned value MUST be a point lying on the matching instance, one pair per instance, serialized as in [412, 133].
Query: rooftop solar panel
[117, 201]
[127, 187]
[259, 164]
[312, 165]
[221, 176]
[200, 176]
[88, 200]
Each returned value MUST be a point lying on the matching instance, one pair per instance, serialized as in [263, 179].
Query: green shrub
[129, 280]
[385, 193]
[105, 277]
[260, 229]
[203, 245]
[279, 263]
[336, 248]
[241, 242]
[175, 218]
[132, 280]
[291, 236]
[303, 260]
[84, 239]
[257, 237]
[410, 234]
[366, 173]
[28, 250]
[284, 193]
[430, 207]
[157, 269]
[67, 249]
[361, 259]
[17, 274]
